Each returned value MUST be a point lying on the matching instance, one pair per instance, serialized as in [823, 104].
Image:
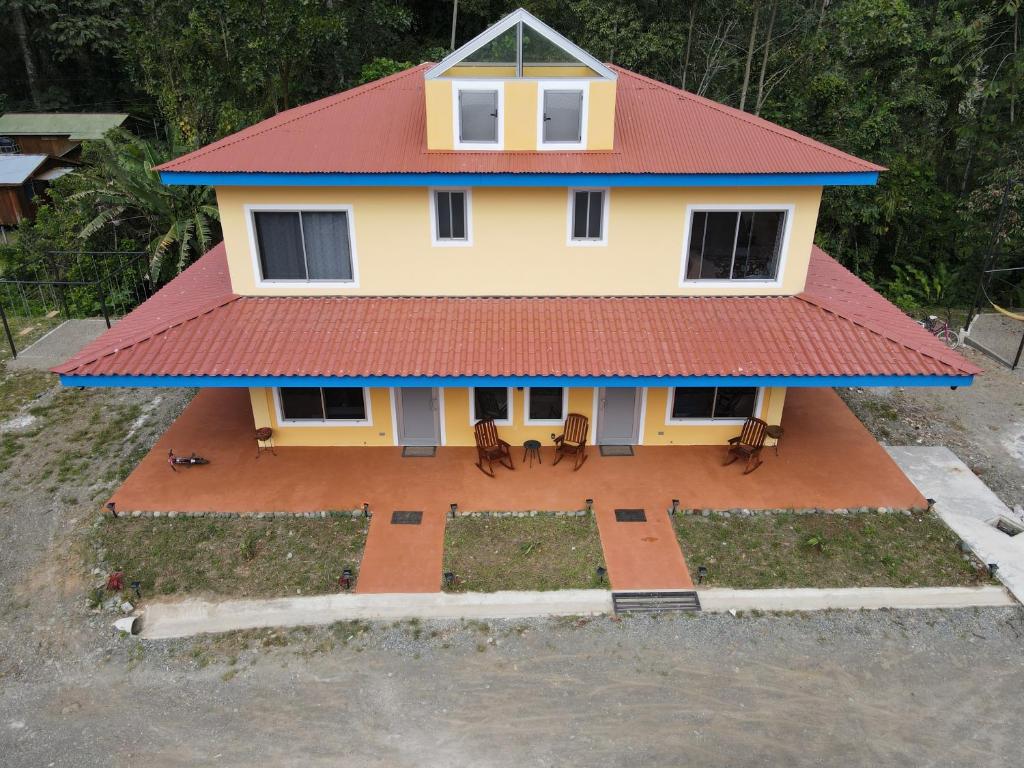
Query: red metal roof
[194, 326]
[381, 128]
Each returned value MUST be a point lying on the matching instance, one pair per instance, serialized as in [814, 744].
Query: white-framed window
[588, 217]
[726, 244]
[491, 403]
[713, 405]
[545, 405]
[478, 109]
[323, 406]
[562, 108]
[451, 216]
[303, 244]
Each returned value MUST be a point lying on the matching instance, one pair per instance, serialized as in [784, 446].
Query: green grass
[523, 553]
[236, 558]
[862, 550]
[19, 388]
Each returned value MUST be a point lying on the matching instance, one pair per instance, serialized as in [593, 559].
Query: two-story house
[517, 232]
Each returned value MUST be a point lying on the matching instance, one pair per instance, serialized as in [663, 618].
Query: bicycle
[184, 461]
[942, 330]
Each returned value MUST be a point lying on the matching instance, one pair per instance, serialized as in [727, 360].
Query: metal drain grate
[419, 451]
[656, 602]
[616, 450]
[406, 518]
[630, 516]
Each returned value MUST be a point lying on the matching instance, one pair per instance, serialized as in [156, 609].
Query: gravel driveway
[911, 688]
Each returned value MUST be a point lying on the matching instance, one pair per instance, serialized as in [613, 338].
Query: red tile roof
[381, 128]
[195, 326]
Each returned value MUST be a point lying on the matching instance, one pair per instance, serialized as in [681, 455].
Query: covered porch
[826, 459]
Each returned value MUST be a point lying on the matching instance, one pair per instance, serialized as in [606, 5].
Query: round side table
[531, 448]
[775, 432]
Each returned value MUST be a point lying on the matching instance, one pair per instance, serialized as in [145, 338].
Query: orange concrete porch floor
[826, 459]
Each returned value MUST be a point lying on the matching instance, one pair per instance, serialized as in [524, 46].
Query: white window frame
[563, 85]
[478, 85]
[788, 208]
[697, 422]
[606, 201]
[451, 243]
[282, 421]
[544, 422]
[498, 422]
[250, 221]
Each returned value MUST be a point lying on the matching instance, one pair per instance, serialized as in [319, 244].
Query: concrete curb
[163, 621]
[193, 617]
[854, 598]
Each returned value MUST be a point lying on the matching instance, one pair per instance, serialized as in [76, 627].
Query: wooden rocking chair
[748, 445]
[490, 448]
[573, 440]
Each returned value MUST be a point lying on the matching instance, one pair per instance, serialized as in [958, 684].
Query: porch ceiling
[196, 327]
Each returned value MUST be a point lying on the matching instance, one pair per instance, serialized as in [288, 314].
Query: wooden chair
[573, 440]
[748, 444]
[490, 447]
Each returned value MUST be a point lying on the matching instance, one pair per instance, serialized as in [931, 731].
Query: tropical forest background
[930, 89]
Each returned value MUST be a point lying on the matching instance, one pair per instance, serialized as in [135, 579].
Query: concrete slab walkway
[59, 344]
[642, 555]
[402, 558]
[968, 507]
[195, 617]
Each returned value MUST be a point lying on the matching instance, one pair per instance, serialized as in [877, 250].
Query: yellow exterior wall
[656, 430]
[458, 429]
[440, 129]
[500, 72]
[379, 433]
[519, 116]
[519, 242]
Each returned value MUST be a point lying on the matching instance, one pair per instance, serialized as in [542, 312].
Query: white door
[418, 416]
[618, 416]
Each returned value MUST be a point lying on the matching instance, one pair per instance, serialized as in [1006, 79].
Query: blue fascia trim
[520, 179]
[516, 381]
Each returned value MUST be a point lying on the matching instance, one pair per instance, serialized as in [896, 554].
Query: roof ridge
[752, 120]
[250, 132]
[827, 306]
[71, 365]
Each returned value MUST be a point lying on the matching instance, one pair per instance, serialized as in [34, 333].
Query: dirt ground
[983, 424]
[935, 688]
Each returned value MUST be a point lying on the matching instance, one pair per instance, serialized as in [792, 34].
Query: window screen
[478, 116]
[587, 215]
[323, 404]
[304, 245]
[735, 245]
[545, 404]
[450, 210]
[713, 402]
[563, 116]
[490, 403]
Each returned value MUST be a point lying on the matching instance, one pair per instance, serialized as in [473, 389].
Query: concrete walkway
[59, 344]
[968, 507]
[853, 598]
[194, 617]
[642, 555]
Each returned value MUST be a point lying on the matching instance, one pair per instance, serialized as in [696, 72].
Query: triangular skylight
[520, 45]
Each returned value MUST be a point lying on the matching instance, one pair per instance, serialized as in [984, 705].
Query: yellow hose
[1006, 312]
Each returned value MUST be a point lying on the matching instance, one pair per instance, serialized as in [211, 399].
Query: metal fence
[74, 284]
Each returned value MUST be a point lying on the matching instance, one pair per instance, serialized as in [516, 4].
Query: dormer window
[478, 108]
[478, 116]
[562, 113]
[563, 116]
